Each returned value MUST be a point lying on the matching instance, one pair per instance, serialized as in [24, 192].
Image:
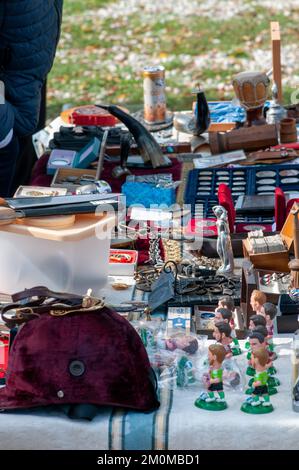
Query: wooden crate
[277, 261]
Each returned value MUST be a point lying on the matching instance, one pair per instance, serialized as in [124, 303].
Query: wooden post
[294, 264]
[276, 57]
[295, 212]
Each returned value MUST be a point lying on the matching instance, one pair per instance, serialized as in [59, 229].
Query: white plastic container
[70, 259]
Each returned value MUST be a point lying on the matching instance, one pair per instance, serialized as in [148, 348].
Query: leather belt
[46, 301]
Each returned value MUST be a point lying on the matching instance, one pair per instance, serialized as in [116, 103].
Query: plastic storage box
[71, 259]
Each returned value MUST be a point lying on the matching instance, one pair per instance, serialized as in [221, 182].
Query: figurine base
[256, 410]
[211, 406]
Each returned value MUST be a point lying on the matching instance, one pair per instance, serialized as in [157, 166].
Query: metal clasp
[19, 312]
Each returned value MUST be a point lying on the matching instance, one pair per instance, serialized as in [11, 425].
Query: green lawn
[105, 44]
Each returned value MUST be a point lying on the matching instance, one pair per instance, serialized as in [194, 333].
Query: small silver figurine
[224, 245]
[276, 112]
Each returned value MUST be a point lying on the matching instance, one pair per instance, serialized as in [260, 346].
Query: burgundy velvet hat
[92, 357]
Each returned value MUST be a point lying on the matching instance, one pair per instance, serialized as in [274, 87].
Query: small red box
[122, 262]
[91, 116]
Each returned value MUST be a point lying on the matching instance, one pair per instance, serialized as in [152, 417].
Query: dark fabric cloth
[47, 351]
[40, 177]
[8, 159]
[29, 33]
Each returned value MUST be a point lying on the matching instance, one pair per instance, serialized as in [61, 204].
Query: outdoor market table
[176, 425]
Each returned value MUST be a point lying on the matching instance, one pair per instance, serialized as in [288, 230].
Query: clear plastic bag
[233, 378]
[175, 357]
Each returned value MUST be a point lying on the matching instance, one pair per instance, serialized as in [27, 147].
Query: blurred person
[29, 34]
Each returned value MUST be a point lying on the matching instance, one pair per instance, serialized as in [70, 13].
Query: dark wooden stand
[255, 117]
[248, 286]
[294, 264]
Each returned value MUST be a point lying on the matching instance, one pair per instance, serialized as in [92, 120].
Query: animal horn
[148, 147]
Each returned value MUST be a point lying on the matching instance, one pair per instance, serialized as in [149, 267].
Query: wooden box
[277, 261]
[207, 327]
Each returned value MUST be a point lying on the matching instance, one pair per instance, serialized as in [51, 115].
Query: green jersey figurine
[213, 381]
[259, 401]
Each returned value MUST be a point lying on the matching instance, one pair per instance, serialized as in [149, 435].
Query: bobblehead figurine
[257, 341]
[269, 311]
[213, 381]
[254, 321]
[268, 341]
[226, 302]
[222, 334]
[259, 401]
[257, 300]
[226, 315]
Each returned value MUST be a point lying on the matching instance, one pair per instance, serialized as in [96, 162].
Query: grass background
[100, 57]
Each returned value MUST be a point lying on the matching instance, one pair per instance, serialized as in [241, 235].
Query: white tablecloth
[178, 424]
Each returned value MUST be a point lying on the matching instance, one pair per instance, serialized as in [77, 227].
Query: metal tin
[276, 112]
[154, 94]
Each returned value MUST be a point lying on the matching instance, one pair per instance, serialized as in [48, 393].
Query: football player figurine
[228, 302]
[259, 401]
[257, 341]
[257, 300]
[226, 315]
[270, 312]
[213, 381]
[222, 334]
[254, 321]
[269, 341]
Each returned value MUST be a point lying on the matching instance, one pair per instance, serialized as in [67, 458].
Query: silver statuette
[224, 245]
[276, 112]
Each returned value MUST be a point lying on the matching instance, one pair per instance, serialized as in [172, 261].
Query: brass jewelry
[120, 286]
